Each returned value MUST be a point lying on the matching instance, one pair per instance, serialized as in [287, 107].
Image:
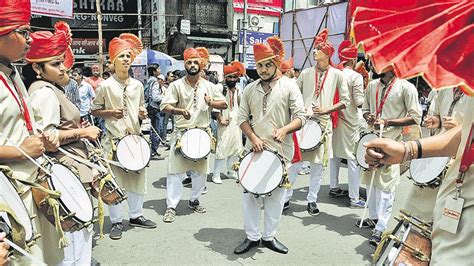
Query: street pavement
[328, 239]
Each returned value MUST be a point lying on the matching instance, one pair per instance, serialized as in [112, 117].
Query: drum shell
[321, 141]
[110, 194]
[115, 157]
[362, 135]
[180, 136]
[284, 175]
[68, 222]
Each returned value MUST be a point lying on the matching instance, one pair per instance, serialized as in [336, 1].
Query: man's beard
[193, 71]
[231, 83]
[270, 78]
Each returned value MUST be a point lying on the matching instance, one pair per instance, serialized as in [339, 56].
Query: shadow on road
[159, 206]
[226, 245]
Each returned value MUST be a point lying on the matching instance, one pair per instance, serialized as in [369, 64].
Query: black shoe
[286, 206]
[141, 221]
[196, 206]
[376, 238]
[246, 246]
[313, 208]
[275, 245]
[187, 181]
[338, 192]
[116, 231]
[367, 223]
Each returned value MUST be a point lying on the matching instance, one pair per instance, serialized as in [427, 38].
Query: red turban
[13, 14]
[347, 51]
[47, 46]
[274, 49]
[236, 68]
[287, 65]
[190, 53]
[360, 68]
[204, 54]
[321, 42]
[125, 42]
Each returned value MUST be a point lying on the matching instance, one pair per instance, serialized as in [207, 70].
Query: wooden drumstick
[370, 187]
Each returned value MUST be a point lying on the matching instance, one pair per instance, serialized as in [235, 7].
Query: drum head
[260, 173]
[360, 152]
[392, 249]
[9, 196]
[310, 135]
[425, 170]
[74, 197]
[195, 143]
[133, 152]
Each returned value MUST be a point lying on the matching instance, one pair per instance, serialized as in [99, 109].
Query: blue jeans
[156, 121]
[162, 126]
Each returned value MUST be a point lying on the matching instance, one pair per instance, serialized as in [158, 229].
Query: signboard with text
[260, 7]
[158, 22]
[86, 48]
[185, 26]
[53, 8]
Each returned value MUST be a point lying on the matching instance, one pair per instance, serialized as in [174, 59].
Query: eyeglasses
[24, 32]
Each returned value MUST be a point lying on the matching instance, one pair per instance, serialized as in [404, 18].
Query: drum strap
[466, 161]
[378, 108]
[52, 201]
[106, 178]
[17, 230]
[21, 104]
[457, 95]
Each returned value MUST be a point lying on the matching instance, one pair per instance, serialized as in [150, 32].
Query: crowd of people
[53, 115]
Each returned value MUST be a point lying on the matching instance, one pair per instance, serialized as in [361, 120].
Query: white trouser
[79, 251]
[272, 208]
[380, 207]
[353, 176]
[219, 164]
[135, 206]
[174, 187]
[315, 177]
[293, 171]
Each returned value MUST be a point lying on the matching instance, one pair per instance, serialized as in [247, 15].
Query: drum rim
[185, 155]
[62, 204]
[435, 179]
[149, 155]
[281, 161]
[24, 207]
[322, 133]
[362, 135]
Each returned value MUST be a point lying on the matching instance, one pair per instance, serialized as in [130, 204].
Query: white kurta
[283, 104]
[456, 249]
[181, 95]
[113, 94]
[12, 125]
[347, 132]
[229, 138]
[402, 101]
[334, 81]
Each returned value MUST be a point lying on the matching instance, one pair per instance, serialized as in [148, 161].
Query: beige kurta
[334, 81]
[113, 94]
[283, 104]
[229, 138]
[456, 249]
[181, 95]
[55, 112]
[347, 133]
[13, 126]
[443, 102]
[402, 101]
[421, 201]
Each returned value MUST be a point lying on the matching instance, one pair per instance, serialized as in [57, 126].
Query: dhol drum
[133, 152]
[310, 135]
[427, 172]
[194, 144]
[360, 149]
[75, 206]
[111, 193]
[9, 198]
[408, 244]
[261, 173]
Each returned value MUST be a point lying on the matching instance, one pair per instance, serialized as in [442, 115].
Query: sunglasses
[24, 32]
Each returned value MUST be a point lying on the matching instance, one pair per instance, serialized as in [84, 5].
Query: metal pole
[139, 12]
[244, 34]
[101, 48]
